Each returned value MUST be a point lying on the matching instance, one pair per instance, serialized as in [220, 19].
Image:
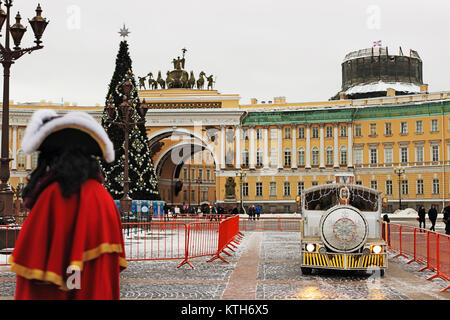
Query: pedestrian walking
[447, 218]
[432, 215]
[421, 218]
[71, 244]
[258, 211]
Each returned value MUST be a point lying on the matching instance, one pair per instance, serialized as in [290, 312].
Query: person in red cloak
[71, 244]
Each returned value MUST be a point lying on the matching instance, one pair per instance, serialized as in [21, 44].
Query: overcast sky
[255, 48]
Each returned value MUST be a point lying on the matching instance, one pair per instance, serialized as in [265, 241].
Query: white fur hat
[47, 130]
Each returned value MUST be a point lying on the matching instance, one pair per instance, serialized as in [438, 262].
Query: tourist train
[342, 227]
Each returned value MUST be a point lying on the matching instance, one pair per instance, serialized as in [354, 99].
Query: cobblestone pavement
[274, 273]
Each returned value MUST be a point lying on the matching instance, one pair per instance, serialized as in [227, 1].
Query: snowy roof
[383, 86]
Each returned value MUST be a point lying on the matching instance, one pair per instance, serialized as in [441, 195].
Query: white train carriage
[342, 228]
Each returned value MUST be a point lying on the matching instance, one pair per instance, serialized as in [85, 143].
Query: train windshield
[324, 197]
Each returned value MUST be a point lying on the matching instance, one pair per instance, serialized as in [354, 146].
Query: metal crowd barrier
[425, 247]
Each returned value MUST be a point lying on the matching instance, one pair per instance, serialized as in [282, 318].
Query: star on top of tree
[124, 32]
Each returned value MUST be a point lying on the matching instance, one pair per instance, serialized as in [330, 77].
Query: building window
[185, 195]
[343, 131]
[434, 125]
[200, 174]
[343, 156]
[358, 155]
[259, 157]
[273, 189]
[300, 187]
[388, 155]
[185, 174]
[329, 131]
[374, 184]
[245, 189]
[435, 186]
[21, 159]
[273, 157]
[404, 187]
[315, 132]
[287, 133]
[404, 128]
[388, 129]
[259, 189]
[358, 130]
[435, 153]
[301, 157]
[315, 156]
[359, 182]
[419, 153]
[404, 154]
[35, 156]
[389, 187]
[419, 186]
[192, 195]
[301, 132]
[373, 156]
[245, 158]
[287, 158]
[329, 156]
[419, 127]
[259, 134]
[287, 189]
[273, 133]
[314, 183]
[373, 129]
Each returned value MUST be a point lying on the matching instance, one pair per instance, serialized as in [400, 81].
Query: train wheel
[306, 271]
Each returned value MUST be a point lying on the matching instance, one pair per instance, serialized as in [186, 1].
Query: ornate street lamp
[126, 123]
[7, 57]
[399, 171]
[241, 174]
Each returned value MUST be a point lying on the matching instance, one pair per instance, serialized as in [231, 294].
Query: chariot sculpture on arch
[178, 77]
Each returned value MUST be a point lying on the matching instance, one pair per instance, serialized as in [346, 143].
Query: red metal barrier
[201, 240]
[8, 236]
[229, 235]
[424, 246]
[154, 241]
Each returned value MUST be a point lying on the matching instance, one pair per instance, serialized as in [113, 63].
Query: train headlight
[376, 249]
[310, 247]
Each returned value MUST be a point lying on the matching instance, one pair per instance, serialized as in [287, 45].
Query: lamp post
[199, 183]
[7, 57]
[241, 174]
[126, 122]
[399, 171]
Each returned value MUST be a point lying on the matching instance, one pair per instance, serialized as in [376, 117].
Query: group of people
[432, 215]
[254, 212]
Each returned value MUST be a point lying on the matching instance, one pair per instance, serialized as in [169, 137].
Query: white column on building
[266, 147]
[28, 163]
[237, 154]
[294, 147]
[322, 146]
[336, 146]
[222, 147]
[308, 147]
[14, 148]
[280, 147]
[252, 151]
[350, 145]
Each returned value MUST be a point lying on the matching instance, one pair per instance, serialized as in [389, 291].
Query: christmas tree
[143, 180]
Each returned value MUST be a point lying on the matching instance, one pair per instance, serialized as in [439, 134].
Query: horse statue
[152, 84]
[191, 82]
[142, 82]
[161, 81]
[169, 80]
[210, 82]
[201, 80]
